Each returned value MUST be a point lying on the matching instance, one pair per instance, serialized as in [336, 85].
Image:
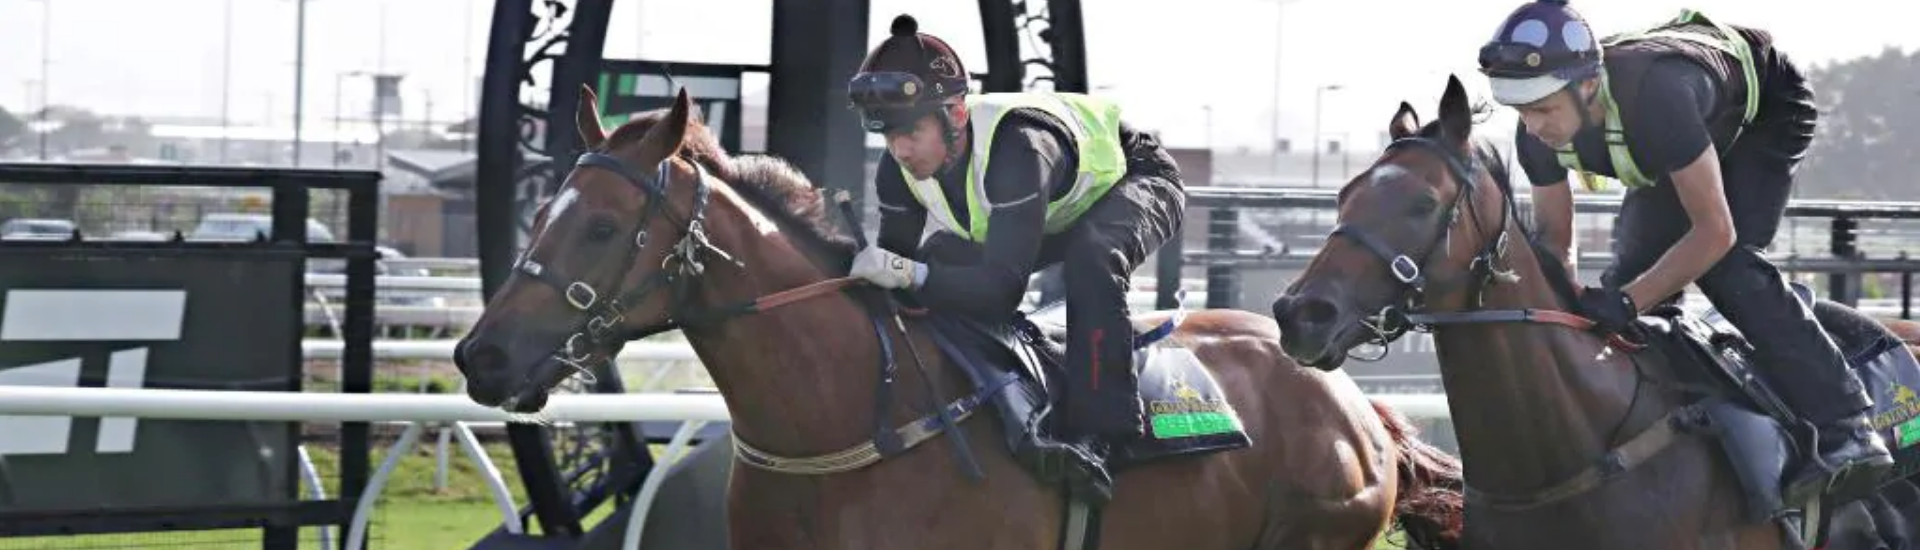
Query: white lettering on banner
[70, 315]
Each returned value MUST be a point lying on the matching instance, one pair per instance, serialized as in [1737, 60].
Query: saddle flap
[1187, 411]
[1892, 378]
[1758, 451]
[1186, 408]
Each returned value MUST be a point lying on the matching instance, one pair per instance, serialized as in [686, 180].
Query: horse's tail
[1431, 500]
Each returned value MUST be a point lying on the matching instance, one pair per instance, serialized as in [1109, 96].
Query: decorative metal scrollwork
[1053, 41]
[1037, 41]
[545, 44]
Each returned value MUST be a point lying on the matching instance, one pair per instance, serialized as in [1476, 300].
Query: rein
[1407, 314]
[601, 319]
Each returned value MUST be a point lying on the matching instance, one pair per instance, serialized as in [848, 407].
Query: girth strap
[865, 454]
[1644, 446]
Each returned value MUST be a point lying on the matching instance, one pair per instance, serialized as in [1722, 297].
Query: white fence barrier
[692, 410]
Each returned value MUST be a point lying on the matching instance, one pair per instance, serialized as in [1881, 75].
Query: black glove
[1612, 311]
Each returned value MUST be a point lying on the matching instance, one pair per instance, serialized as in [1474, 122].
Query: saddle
[1761, 437]
[1187, 413]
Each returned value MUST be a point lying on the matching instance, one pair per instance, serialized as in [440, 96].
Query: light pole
[338, 91]
[226, 78]
[46, 55]
[299, 74]
[1208, 108]
[1317, 92]
[1273, 117]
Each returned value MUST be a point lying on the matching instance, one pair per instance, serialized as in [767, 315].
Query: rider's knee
[1094, 253]
[1742, 268]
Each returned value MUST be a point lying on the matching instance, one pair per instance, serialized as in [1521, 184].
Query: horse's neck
[1531, 402]
[799, 379]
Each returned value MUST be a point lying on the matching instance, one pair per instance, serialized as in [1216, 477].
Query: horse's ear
[1456, 115]
[1405, 122]
[663, 139]
[586, 117]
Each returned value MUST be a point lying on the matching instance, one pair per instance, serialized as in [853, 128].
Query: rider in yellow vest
[1029, 179]
[1703, 123]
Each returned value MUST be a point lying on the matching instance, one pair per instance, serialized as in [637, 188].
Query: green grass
[411, 515]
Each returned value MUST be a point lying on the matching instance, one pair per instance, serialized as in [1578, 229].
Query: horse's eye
[601, 230]
[1422, 207]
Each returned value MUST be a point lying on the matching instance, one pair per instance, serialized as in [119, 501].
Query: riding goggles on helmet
[889, 101]
[1523, 60]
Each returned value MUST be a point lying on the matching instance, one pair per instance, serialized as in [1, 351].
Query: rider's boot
[1852, 459]
[1102, 407]
[1808, 371]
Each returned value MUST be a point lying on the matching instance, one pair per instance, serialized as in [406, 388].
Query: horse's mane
[769, 183]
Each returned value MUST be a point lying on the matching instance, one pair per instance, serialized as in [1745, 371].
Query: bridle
[1407, 313]
[601, 314]
[600, 325]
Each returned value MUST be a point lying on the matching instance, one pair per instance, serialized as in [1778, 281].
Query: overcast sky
[165, 57]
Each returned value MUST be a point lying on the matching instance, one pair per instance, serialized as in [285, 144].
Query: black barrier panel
[147, 319]
[244, 300]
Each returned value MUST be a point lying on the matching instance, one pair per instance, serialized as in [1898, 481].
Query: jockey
[1068, 183]
[1703, 123]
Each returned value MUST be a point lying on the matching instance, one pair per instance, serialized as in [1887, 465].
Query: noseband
[601, 314]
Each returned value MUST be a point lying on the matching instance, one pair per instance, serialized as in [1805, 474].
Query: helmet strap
[949, 136]
[1582, 103]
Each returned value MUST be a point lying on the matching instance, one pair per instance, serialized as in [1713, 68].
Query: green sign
[627, 87]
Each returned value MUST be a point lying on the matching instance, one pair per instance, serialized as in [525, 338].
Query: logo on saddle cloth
[1902, 415]
[1179, 409]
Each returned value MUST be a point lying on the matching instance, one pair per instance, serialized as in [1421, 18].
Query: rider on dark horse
[1704, 124]
[1068, 182]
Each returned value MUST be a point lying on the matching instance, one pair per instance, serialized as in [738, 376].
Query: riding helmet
[1542, 47]
[908, 75]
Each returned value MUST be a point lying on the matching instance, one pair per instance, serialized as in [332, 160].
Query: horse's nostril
[1318, 311]
[1304, 311]
[482, 363]
[1280, 307]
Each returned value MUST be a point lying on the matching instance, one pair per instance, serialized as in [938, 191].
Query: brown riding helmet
[909, 75]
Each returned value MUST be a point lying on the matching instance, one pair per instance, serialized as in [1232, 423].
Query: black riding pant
[1793, 353]
[1099, 254]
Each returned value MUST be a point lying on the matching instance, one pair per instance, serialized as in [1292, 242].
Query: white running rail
[693, 410]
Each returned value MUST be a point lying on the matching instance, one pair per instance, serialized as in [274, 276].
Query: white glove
[888, 270]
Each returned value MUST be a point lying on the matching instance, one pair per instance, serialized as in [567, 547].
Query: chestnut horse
[1570, 440]
[657, 228]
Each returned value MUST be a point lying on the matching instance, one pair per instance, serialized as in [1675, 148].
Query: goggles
[889, 101]
[1523, 60]
[888, 89]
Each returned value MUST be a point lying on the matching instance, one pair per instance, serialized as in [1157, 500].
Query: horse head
[1420, 227]
[609, 259]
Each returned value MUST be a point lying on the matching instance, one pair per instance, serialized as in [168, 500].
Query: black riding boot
[1103, 398]
[1806, 368]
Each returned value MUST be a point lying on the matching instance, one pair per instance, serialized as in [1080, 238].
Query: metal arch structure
[1054, 31]
[540, 52]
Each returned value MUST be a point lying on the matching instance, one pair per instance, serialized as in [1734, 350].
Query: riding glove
[1612, 311]
[888, 270]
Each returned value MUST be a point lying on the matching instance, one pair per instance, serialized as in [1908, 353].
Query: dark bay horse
[1569, 440]
[658, 228]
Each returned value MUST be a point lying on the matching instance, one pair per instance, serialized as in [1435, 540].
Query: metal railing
[1229, 212]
